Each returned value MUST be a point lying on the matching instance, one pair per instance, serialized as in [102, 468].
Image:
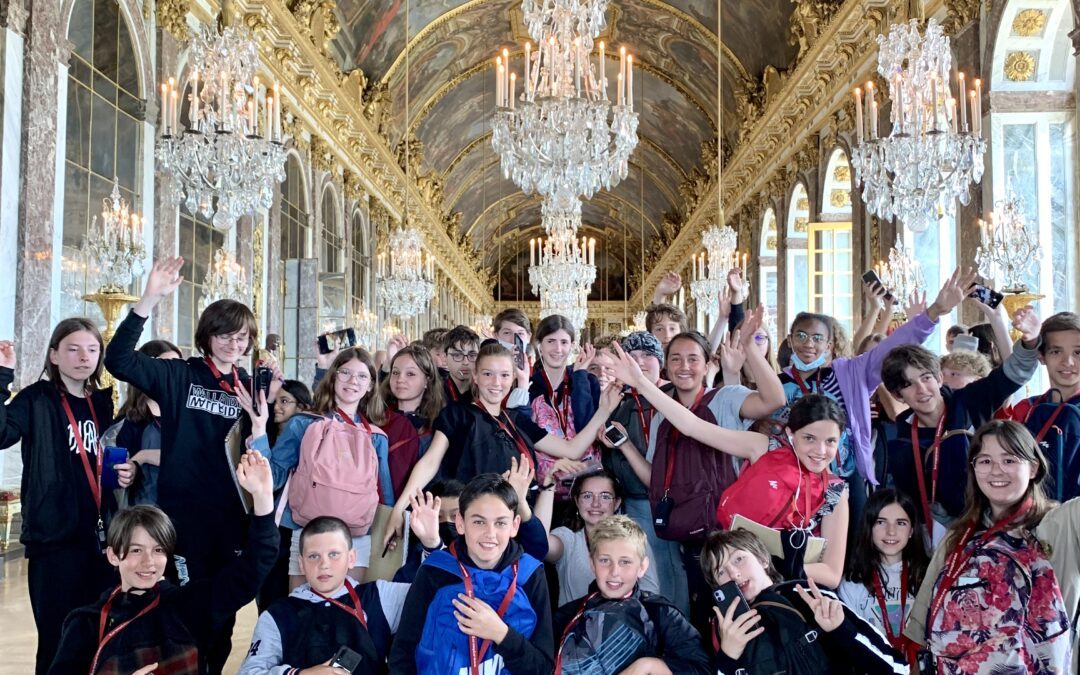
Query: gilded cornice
[316, 91]
[606, 310]
[820, 84]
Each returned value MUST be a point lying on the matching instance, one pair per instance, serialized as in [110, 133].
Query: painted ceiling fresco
[451, 49]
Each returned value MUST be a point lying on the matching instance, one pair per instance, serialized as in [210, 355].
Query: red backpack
[775, 491]
[337, 475]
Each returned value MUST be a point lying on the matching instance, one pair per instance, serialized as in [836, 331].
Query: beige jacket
[1059, 531]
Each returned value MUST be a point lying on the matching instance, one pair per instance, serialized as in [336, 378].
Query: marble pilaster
[968, 56]
[166, 204]
[45, 49]
[272, 264]
[11, 44]
[307, 319]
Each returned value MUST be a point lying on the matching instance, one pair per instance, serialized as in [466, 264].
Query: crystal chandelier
[1008, 251]
[229, 159]
[405, 279]
[562, 267]
[366, 325]
[115, 249]
[902, 274]
[226, 279]
[564, 134]
[931, 155]
[711, 267]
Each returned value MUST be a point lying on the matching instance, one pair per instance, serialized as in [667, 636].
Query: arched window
[199, 240]
[830, 247]
[360, 264]
[798, 273]
[104, 136]
[767, 265]
[1034, 152]
[295, 229]
[332, 298]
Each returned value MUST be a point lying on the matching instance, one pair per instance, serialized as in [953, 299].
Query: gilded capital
[172, 17]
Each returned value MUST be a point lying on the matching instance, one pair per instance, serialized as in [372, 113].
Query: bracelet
[546, 488]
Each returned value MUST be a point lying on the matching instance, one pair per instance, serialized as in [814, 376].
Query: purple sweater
[859, 377]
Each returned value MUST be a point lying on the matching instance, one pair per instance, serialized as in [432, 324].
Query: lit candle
[622, 74]
[164, 109]
[498, 81]
[592, 252]
[934, 94]
[978, 101]
[858, 116]
[251, 116]
[255, 98]
[974, 117]
[899, 112]
[951, 109]
[745, 258]
[602, 74]
[277, 113]
[532, 253]
[873, 119]
[630, 80]
[869, 98]
[222, 106]
[194, 116]
[506, 74]
[963, 103]
[513, 89]
[174, 97]
[618, 90]
[528, 80]
[267, 121]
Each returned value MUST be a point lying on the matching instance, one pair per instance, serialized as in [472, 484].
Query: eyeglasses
[233, 339]
[802, 337]
[604, 497]
[459, 356]
[344, 375]
[984, 464]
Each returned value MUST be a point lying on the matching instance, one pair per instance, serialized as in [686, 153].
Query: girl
[483, 436]
[293, 398]
[562, 399]
[886, 566]
[139, 430]
[787, 628]
[147, 624]
[406, 406]
[341, 395]
[992, 571]
[58, 422]
[596, 496]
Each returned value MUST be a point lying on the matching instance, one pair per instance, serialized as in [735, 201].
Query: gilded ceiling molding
[327, 100]
[1029, 22]
[322, 155]
[959, 13]
[1020, 66]
[819, 84]
[172, 16]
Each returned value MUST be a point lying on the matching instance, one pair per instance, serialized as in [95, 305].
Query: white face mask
[798, 364]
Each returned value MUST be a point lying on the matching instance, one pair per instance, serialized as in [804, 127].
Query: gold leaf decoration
[803, 204]
[840, 198]
[770, 243]
[842, 173]
[172, 16]
[1029, 23]
[1020, 66]
[801, 224]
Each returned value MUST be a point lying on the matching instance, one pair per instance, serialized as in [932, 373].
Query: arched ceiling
[451, 48]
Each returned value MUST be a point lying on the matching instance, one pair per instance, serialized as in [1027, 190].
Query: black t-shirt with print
[477, 444]
[88, 431]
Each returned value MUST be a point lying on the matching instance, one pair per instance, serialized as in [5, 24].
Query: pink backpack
[337, 475]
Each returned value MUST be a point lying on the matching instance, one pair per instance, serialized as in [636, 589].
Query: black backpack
[792, 641]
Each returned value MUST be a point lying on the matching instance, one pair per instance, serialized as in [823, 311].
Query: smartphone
[591, 466]
[111, 457]
[966, 342]
[987, 296]
[616, 437]
[871, 277]
[337, 340]
[261, 382]
[726, 594]
[519, 352]
[346, 659]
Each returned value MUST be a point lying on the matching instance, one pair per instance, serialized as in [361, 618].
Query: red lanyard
[935, 448]
[641, 416]
[476, 654]
[802, 385]
[1050, 422]
[231, 388]
[959, 556]
[511, 431]
[807, 518]
[356, 610]
[569, 626]
[103, 637]
[347, 419]
[673, 442]
[562, 413]
[451, 389]
[94, 481]
[879, 592]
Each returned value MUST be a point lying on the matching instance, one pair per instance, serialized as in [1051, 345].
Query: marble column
[166, 200]
[272, 264]
[13, 24]
[969, 58]
[308, 319]
[46, 48]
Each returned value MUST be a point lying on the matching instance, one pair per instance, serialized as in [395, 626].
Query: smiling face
[77, 355]
[892, 531]
[601, 368]
[816, 444]
[143, 565]
[494, 378]
[325, 559]
[922, 392]
[649, 364]
[351, 381]
[686, 365]
[555, 349]
[744, 569]
[461, 361]
[407, 380]
[597, 500]
[618, 566]
[1001, 476]
[1061, 354]
[487, 524]
[227, 349]
[809, 339]
[285, 406]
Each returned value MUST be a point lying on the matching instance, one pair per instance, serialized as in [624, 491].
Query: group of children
[703, 506]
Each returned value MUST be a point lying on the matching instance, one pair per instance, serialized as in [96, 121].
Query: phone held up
[986, 296]
[614, 436]
[519, 352]
[337, 340]
[261, 382]
[728, 593]
[113, 456]
[871, 277]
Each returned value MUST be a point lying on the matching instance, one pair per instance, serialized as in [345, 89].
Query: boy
[432, 340]
[511, 322]
[928, 458]
[461, 346]
[1054, 417]
[648, 635]
[307, 628]
[951, 335]
[962, 367]
[483, 603]
[665, 322]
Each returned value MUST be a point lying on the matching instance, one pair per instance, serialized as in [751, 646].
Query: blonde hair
[617, 528]
[967, 361]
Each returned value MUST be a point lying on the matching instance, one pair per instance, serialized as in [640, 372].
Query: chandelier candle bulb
[602, 74]
[513, 89]
[532, 252]
[858, 115]
[869, 111]
[174, 97]
[498, 81]
[277, 113]
[592, 251]
[745, 259]
[934, 109]
[963, 102]
[528, 80]
[194, 98]
[506, 75]
[164, 109]
[630, 80]
[873, 119]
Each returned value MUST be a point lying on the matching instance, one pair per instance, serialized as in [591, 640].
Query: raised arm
[770, 391]
[638, 464]
[422, 473]
[577, 446]
[670, 283]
